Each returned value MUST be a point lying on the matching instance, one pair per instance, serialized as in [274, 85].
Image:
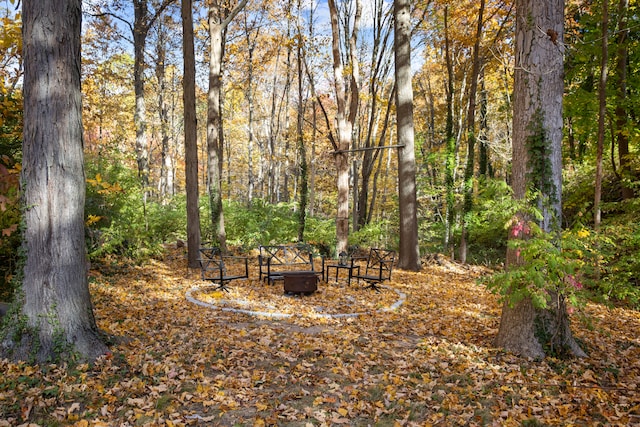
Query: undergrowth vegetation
[119, 225]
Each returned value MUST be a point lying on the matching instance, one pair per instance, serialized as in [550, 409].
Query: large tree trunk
[537, 110]
[57, 304]
[190, 136]
[409, 257]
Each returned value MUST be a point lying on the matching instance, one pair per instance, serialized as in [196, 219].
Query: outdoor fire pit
[300, 281]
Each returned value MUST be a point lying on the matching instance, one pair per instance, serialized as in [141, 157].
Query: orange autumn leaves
[427, 362]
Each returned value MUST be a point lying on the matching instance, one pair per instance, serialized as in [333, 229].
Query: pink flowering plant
[543, 264]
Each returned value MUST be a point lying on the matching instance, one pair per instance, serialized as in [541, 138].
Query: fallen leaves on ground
[429, 361]
[334, 299]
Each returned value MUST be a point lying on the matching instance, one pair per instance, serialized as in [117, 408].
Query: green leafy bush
[544, 266]
[618, 266]
[261, 223]
[487, 234]
[383, 233]
[119, 223]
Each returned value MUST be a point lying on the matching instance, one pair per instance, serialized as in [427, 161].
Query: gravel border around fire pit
[402, 297]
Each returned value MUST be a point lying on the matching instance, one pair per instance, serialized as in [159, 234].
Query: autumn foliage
[428, 362]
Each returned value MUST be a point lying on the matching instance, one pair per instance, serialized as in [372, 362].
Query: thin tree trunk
[215, 143]
[602, 111]
[409, 256]
[141, 24]
[140, 30]
[483, 161]
[345, 127]
[190, 136]
[622, 135]
[471, 137]
[451, 143]
[302, 149]
[251, 44]
[381, 66]
[163, 115]
[214, 122]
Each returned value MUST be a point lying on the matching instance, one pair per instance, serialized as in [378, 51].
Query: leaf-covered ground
[429, 361]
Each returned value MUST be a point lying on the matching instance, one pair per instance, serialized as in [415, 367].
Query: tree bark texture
[214, 123]
[56, 301]
[538, 88]
[471, 137]
[409, 256]
[217, 25]
[344, 136]
[140, 30]
[190, 136]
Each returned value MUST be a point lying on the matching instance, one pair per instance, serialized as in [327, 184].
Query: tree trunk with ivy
[537, 163]
[52, 317]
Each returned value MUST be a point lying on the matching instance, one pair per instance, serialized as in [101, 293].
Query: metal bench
[215, 267]
[273, 260]
[377, 269]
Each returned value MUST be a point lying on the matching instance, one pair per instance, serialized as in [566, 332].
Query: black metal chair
[379, 265]
[214, 269]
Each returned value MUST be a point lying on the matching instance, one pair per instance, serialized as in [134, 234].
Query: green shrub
[485, 223]
[545, 265]
[119, 223]
[260, 224]
[10, 218]
[383, 234]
